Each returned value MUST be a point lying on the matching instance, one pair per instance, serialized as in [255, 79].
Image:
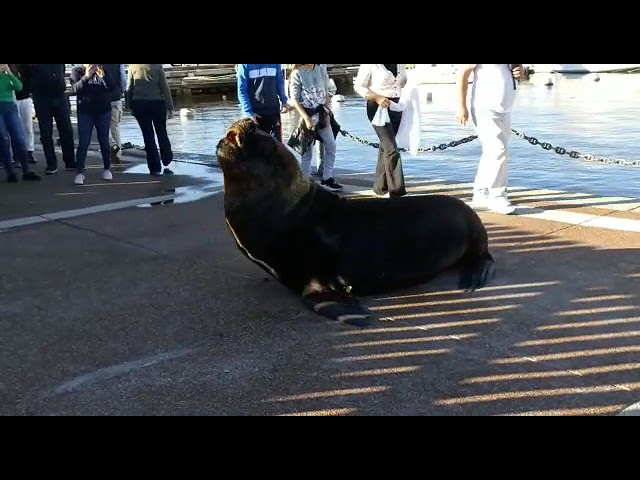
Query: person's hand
[518, 72]
[4, 68]
[308, 122]
[383, 101]
[89, 71]
[169, 114]
[462, 116]
[255, 117]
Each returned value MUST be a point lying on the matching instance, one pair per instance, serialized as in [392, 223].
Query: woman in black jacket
[94, 87]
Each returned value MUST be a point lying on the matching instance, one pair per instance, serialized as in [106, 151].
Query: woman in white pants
[492, 97]
[25, 110]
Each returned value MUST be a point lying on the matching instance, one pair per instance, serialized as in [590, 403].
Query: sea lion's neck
[264, 191]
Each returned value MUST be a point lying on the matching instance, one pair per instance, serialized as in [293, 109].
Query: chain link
[532, 140]
[433, 148]
[443, 146]
[577, 155]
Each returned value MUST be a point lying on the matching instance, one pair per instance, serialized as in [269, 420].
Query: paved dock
[131, 299]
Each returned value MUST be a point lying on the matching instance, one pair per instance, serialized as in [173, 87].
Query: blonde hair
[139, 70]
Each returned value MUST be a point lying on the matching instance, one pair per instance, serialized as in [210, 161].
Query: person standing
[149, 99]
[25, 110]
[309, 89]
[94, 88]
[48, 88]
[492, 97]
[11, 131]
[116, 70]
[380, 84]
[262, 95]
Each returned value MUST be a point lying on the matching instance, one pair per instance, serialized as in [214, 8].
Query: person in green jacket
[11, 129]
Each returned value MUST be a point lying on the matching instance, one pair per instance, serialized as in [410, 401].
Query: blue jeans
[12, 136]
[86, 122]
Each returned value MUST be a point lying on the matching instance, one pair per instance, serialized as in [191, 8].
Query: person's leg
[13, 125]
[62, 115]
[86, 123]
[160, 125]
[25, 110]
[391, 162]
[490, 183]
[380, 186]
[5, 152]
[103, 126]
[44, 113]
[144, 117]
[329, 147]
[116, 140]
[271, 124]
[305, 162]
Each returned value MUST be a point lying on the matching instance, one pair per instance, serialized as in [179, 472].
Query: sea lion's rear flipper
[336, 306]
[477, 272]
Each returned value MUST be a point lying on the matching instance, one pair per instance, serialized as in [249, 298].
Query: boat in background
[433, 74]
[583, 68]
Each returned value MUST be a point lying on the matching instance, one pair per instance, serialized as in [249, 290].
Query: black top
[392, 67]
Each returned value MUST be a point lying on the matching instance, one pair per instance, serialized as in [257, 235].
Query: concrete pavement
[151, 310]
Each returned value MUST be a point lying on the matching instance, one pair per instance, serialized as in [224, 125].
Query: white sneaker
[480, 200]
[107, 176]
[500, 205]
[79, 180]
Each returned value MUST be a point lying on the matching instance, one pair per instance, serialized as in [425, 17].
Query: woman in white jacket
[380, 84]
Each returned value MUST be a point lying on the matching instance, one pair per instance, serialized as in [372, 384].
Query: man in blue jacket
[262, 95]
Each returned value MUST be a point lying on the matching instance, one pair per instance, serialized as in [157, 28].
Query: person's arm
[295, 89]
[14, 82]
[517, 69]
[463, 88]
[123, 77]
[26, 76]
[243, 89]
[402, 75]
[166, 91]
[82, 75]
[280, 85]
[76, 74]
[26, 85]
[362, 83]
[327, 83]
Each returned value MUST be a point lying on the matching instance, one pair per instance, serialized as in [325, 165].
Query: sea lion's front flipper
[327, 302]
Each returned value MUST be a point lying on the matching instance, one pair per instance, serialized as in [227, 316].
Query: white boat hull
[429, 74]
[584, 67]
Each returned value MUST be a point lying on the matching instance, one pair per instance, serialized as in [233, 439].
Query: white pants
[494, 131]
[329, 145]
[25, 110]
[116, 117]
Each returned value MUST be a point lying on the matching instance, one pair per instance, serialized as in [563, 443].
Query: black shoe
[331, 184]
[31, 177]
[168, 171]
[12, 178]
[51, 171]
[71, 168]
[31, 159]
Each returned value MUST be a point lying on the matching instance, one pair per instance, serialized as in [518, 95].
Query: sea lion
[328, 248]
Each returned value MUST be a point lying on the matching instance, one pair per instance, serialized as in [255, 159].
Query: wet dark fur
[327, 248]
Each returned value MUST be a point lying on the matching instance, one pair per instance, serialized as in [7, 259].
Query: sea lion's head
[254, 163]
